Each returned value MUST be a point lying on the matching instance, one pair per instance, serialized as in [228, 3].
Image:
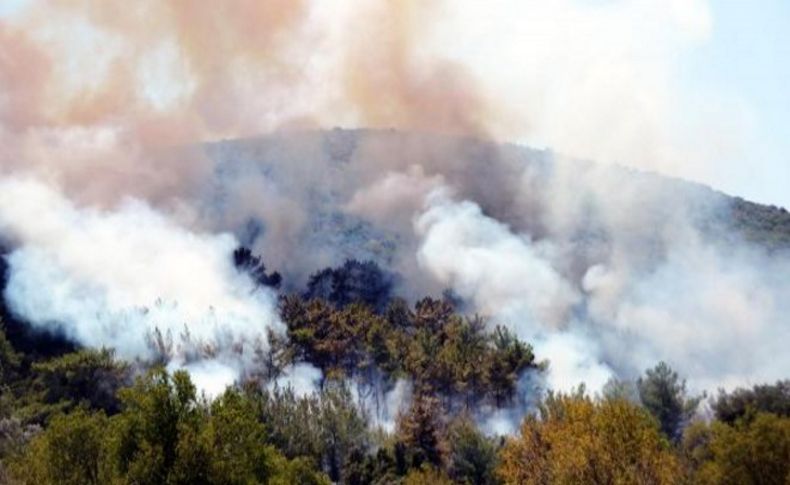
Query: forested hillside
[203, 282]
[369, 371]
[82, 416]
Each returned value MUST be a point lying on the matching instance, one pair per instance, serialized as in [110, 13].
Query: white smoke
[508, 277]
[302, 378]
[119, 278]
[653, 288]
[718, 314]
[602, 270]
[383, 404]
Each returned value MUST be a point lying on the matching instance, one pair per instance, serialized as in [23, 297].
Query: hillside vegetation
[81, 416]
[366, 386]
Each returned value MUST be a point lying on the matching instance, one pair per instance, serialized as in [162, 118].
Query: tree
[620, 389]
[163, 434]
[663, 393]
[90, 377]
[343, 429]
[752, 451]
[325, 427]
[421, 431]
[69, 452]
[768, 398]
[246, 262]
[332, 339]
[355, 281]
[301, 471]
[426, 475]
[158, 411]
[237, 442]
[508, 360]
[473, 456]
[577, 440]
[10, 359]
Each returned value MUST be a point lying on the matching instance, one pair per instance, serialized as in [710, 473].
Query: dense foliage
[768, 226]
[81, 416]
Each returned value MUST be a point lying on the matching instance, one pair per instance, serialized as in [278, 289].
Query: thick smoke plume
[132, 280]
[122, 218]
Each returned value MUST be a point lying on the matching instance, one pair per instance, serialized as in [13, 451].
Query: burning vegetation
[185, 300]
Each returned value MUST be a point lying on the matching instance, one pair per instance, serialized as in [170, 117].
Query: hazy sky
[747, 58]
[691, 88]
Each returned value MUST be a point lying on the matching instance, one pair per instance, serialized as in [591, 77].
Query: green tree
[663, 393]
[158, 409]
[70, 452]
[88, 377]
[620, 389]
[752, 451]
[508, 360]
[237, 442]
[325, 427]
[422, 433]
[473, 456]
[10, 359]
[768, 398]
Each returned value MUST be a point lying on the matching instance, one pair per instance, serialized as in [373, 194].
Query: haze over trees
[85, 417]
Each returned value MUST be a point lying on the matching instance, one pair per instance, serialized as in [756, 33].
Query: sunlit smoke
[121, 222]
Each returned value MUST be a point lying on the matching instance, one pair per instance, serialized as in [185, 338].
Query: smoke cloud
[122, 219]
[123, 277]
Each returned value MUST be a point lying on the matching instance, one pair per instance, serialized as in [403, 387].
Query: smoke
[628, 272]
[703, 309]
[302, 378]
[122, 224]
[512, 279]
[114, 92]
[133, 280]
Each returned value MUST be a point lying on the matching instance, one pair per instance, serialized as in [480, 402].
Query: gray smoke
[604, 270]
[132, 279]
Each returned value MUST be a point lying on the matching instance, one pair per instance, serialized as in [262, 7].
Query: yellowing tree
[749, 451]
[577, 441]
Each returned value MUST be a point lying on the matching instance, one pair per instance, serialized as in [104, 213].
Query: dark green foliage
[663, 393]
[161, 416]
[326, 427]
[164, 434]
[473, 456]
[236, 441]
[245, 261]
[442, 352]
[71, 451]
[68, 418]
[89, 377]
[768, 226]
[379, 468]
[754, 451]
[510, 359]
[10, 359]
[35, 390]
[740, 403]
[421, 432]
[354, 282]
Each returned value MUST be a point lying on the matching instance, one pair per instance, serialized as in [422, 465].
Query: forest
[394, 242]
[73, 415]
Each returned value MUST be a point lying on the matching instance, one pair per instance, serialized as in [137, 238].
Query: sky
[690, 88]
[747, 59]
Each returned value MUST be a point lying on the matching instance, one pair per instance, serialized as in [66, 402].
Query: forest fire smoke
[120, 218]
